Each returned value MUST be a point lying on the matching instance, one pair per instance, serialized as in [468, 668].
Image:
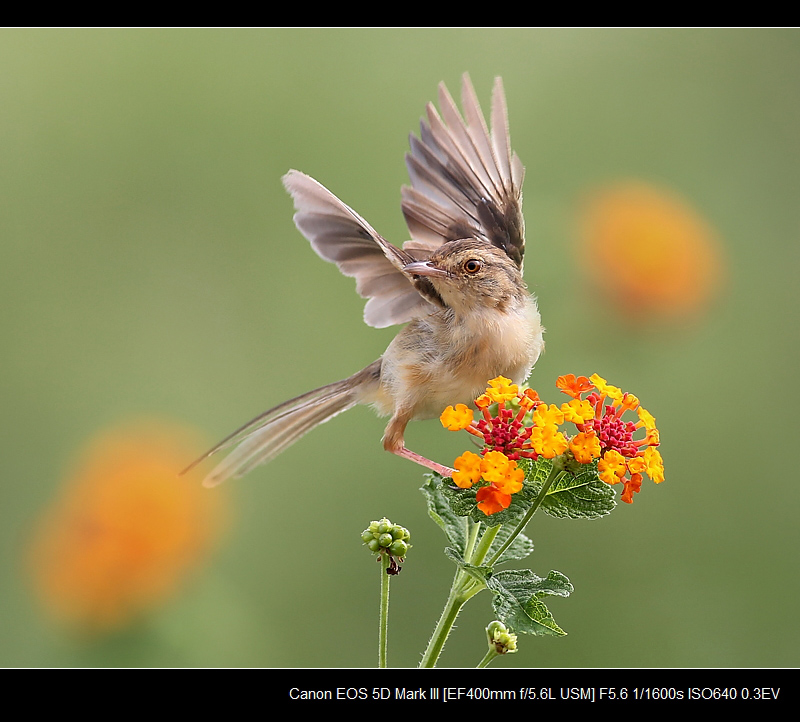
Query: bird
[457, 284]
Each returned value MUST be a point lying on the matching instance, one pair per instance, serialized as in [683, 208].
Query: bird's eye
[473, 265]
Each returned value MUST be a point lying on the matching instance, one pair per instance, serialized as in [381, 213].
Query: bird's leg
[445, 471]
[393, 441]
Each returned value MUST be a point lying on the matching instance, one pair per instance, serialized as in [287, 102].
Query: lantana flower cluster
[531, 429]
[622, 458]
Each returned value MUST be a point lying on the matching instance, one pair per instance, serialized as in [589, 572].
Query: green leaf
[520, 548]
[536, 471]
[582, 495]
[482, 574]
[517, 600]
[440, 510]
[577, 494]
[441, 498]
[462, 502]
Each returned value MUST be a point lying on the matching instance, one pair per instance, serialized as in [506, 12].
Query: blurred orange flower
[649, 252]
[126, 530]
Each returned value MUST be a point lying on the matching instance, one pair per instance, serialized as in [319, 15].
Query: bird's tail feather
[264, 437]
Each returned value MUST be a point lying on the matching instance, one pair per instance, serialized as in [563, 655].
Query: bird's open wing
[465, 180]
[338, 234]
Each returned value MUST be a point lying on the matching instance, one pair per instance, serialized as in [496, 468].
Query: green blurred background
[150, 267]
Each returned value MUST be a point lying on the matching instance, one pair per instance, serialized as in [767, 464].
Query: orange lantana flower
[654, 464]
[585, 446]
[612, 467]
[548, 416]
[468, 470]
[577, 411]
[573, 386]
[649, 253]
[548, 441]
[456, 419]
[125, 531]
[502, 389]
[491, 499]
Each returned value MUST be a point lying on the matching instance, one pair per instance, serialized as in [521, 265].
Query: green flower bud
[384, 526]
[493, 627]
[568, 462]
[399, 548]
[501, 640]
[383, 537]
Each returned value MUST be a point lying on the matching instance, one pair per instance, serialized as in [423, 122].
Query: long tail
[272, 432]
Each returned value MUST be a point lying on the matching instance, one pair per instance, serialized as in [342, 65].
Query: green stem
[484, 545]
[472, 535]
[540, 497]
[384, 613]
[464, 587]
[490, 655]
[449, 614]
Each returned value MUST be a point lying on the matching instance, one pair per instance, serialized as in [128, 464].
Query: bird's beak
[425, 268]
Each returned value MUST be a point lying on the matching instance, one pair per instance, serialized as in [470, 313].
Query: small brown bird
[457, 284]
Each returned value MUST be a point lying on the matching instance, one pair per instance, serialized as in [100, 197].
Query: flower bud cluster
[501, 640]
[383, 537]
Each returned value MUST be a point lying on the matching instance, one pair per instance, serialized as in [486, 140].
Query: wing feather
[465, 179]
[339, 235]
[465, 183]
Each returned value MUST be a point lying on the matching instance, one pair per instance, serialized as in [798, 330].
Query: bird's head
[471, 275]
